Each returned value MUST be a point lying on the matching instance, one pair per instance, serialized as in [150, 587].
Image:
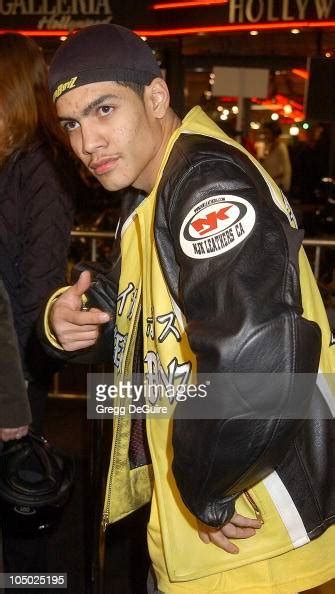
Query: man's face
[113, 132]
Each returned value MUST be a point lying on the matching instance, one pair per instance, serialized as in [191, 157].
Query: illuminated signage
[255, 11]
[184, 17]
[166, 18]
[56, 14]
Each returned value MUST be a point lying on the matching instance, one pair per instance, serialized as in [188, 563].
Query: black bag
[35, 484]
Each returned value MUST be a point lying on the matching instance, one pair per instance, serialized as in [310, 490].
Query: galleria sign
[48, 7]
[271, 11]
[60, 14]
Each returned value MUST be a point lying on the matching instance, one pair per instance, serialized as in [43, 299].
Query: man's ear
[158, 97]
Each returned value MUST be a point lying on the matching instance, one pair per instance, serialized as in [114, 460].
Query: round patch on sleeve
[216, 225]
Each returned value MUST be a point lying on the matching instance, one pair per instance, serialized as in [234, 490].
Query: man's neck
[168, 126]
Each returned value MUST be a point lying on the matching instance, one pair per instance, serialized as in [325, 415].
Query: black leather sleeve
[242, 305]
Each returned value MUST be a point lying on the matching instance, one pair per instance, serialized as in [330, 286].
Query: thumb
[82, 284]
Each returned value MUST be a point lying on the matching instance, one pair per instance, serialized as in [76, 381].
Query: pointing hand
[76, 329]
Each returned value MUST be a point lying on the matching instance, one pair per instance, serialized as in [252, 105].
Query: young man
[209, 278]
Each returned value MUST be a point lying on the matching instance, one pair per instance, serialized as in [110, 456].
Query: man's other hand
[15, 433]
[76, 329]
[238, 527]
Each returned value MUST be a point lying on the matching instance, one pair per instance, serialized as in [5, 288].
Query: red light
[194, 30]
[186, 4]
[285, 100]
[277, 104]
[227, 99]
[300, 72]
[40, 33]
[235, 28]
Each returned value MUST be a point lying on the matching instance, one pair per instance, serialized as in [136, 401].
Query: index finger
[88, 318]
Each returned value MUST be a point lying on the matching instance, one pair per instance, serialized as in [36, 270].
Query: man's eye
[70, 125]
[104, 110]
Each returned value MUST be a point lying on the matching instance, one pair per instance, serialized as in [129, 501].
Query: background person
[277, 159]
[14, 405]
[36, 206]
[36, 212]
[207, 277]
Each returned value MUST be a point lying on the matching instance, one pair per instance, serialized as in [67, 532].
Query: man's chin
[112, 185]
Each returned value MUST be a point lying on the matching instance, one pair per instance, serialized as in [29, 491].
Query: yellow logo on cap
[69, 84]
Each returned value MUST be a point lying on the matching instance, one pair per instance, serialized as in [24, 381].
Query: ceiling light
[274, 116]
[294, 130]
[253, 32]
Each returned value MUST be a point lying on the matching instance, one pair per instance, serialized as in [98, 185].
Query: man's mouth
[103, 165]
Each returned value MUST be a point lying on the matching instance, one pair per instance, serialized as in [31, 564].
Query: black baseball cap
[101, 53]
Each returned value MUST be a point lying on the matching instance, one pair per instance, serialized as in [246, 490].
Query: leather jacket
[247, 308]
[244, 313]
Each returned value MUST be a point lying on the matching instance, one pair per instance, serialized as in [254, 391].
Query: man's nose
[92, 139]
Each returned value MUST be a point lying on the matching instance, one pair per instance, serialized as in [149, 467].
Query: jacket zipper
[254, 506]
[105, 515]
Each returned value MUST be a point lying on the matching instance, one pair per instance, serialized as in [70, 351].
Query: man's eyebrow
[96, 102]
[92, 105]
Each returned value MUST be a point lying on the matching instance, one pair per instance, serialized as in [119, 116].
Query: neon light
[192, 30]
[277, 105]
[186, 4]
[37, 33]
[285, 100]
[235, 28]
[227, 99]
[300, 72]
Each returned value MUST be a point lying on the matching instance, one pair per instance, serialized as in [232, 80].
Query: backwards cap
[101, 53]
